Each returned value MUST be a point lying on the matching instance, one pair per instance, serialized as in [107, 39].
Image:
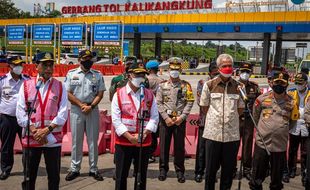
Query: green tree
[8, 10]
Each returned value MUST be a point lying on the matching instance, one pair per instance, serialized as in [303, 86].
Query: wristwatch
[50, 128]
[92, 106]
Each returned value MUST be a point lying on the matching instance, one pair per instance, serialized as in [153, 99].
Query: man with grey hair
[222, 104]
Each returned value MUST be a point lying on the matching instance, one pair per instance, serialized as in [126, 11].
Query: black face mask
[279, 89]
[87, 64]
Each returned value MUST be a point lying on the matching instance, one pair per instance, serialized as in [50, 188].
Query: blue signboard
[126, 48]
[107, 32]
[43, 32]
[16, 32]
[71, 32]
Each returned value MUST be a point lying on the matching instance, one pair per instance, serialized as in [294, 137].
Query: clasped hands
[39, 134]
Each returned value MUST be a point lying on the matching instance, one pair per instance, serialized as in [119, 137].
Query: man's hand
[169, 122]
[86, 109]
[145, 134]
[40, 135]
[133, 139]
[178, 121]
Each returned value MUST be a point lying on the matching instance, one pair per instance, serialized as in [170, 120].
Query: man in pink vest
[46, 122]
[125, 111]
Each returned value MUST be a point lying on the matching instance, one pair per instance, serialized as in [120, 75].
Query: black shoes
[162, 176]
[285, 178]
[198, 178]
[152, 159]
[96, 175]
[4, 175]
[181, 178]
[72, 175]
[292, 174]
[247, 175]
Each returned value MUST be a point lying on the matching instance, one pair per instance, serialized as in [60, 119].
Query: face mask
[87, 64]
[18, 70]
[245, 76]
[279, 89]
[300, 87]
[137, 81]
[226, 72]
[174, 74]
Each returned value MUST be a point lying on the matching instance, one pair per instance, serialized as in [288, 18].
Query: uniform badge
[75, 78]
[48, 56]
[166, 99]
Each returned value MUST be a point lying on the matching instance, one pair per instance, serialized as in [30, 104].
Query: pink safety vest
[129, 115]
[46, 110]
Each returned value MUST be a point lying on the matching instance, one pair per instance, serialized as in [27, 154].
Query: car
[69, 58]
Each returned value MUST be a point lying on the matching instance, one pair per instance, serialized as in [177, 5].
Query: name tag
[75, 82]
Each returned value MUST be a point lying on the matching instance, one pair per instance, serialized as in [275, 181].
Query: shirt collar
[46, 82]
[11, 78]
[81, 71]
[219, 80]
[129, 90]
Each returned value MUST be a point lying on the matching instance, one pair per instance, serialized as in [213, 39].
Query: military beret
[152, 64]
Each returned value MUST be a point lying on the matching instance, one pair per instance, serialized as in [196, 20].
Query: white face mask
[225, 75]
[245, 76]
[137, 81]
[18, 70]
[300, 87]
[174, 73]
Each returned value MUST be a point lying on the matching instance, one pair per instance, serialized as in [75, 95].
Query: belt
[173, 113]
[8, 115]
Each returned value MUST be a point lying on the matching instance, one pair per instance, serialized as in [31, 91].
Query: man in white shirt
[48, 97]
[126, 110]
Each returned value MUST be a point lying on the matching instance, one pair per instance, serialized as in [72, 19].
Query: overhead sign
[230, 4]
[72, 34]
[42, 34]
[139, 6]
[301, 45]
[106, 34]
[15, 34]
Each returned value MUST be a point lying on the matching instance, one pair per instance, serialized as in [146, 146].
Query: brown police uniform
[173, 99]
[273, 117]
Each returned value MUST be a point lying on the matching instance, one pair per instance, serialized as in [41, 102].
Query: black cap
[301, 78]
[276, 70]
[85, 53]
[244, 66]
[44, 56]
[15, 60]
[280, 76]
[137, 68]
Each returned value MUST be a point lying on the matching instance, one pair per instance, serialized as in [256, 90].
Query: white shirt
[120, 128]
[9, 89]
[62, 114]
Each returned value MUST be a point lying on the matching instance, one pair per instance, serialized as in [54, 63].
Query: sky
[27, 5]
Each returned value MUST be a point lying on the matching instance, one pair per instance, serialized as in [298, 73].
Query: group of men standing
[229, 110]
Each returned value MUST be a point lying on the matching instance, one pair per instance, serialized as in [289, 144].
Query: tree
[54, 14]
[8, 10]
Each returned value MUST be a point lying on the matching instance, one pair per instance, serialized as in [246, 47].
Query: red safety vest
[129, 115]
[46, 110]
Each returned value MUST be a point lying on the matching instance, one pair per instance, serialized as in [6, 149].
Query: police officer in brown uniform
[175, 100]
[272, 112]
[245, 122]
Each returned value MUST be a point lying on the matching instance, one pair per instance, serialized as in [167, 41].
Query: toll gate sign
[42, 34]
[15, 34]
[72, 34]
[107, 34]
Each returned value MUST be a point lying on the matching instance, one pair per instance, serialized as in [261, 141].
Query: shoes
[72, 175]
[181, 178]
[292, 174]
[162, 175]
[285, 178]
[152, 159]
[234, 173]
[247, 175]
[96, 175]
[4, 175]
[198, 178]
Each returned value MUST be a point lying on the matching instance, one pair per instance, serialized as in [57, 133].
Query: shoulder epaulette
[3, 77]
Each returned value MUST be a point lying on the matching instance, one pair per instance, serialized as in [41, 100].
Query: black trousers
[8, 130]
[178, 133]
[295, 141]
[224, 155]
[200, 163]
[307, 185]
[261, 162]
[124, 156]
[52, 158]
[246, 135]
